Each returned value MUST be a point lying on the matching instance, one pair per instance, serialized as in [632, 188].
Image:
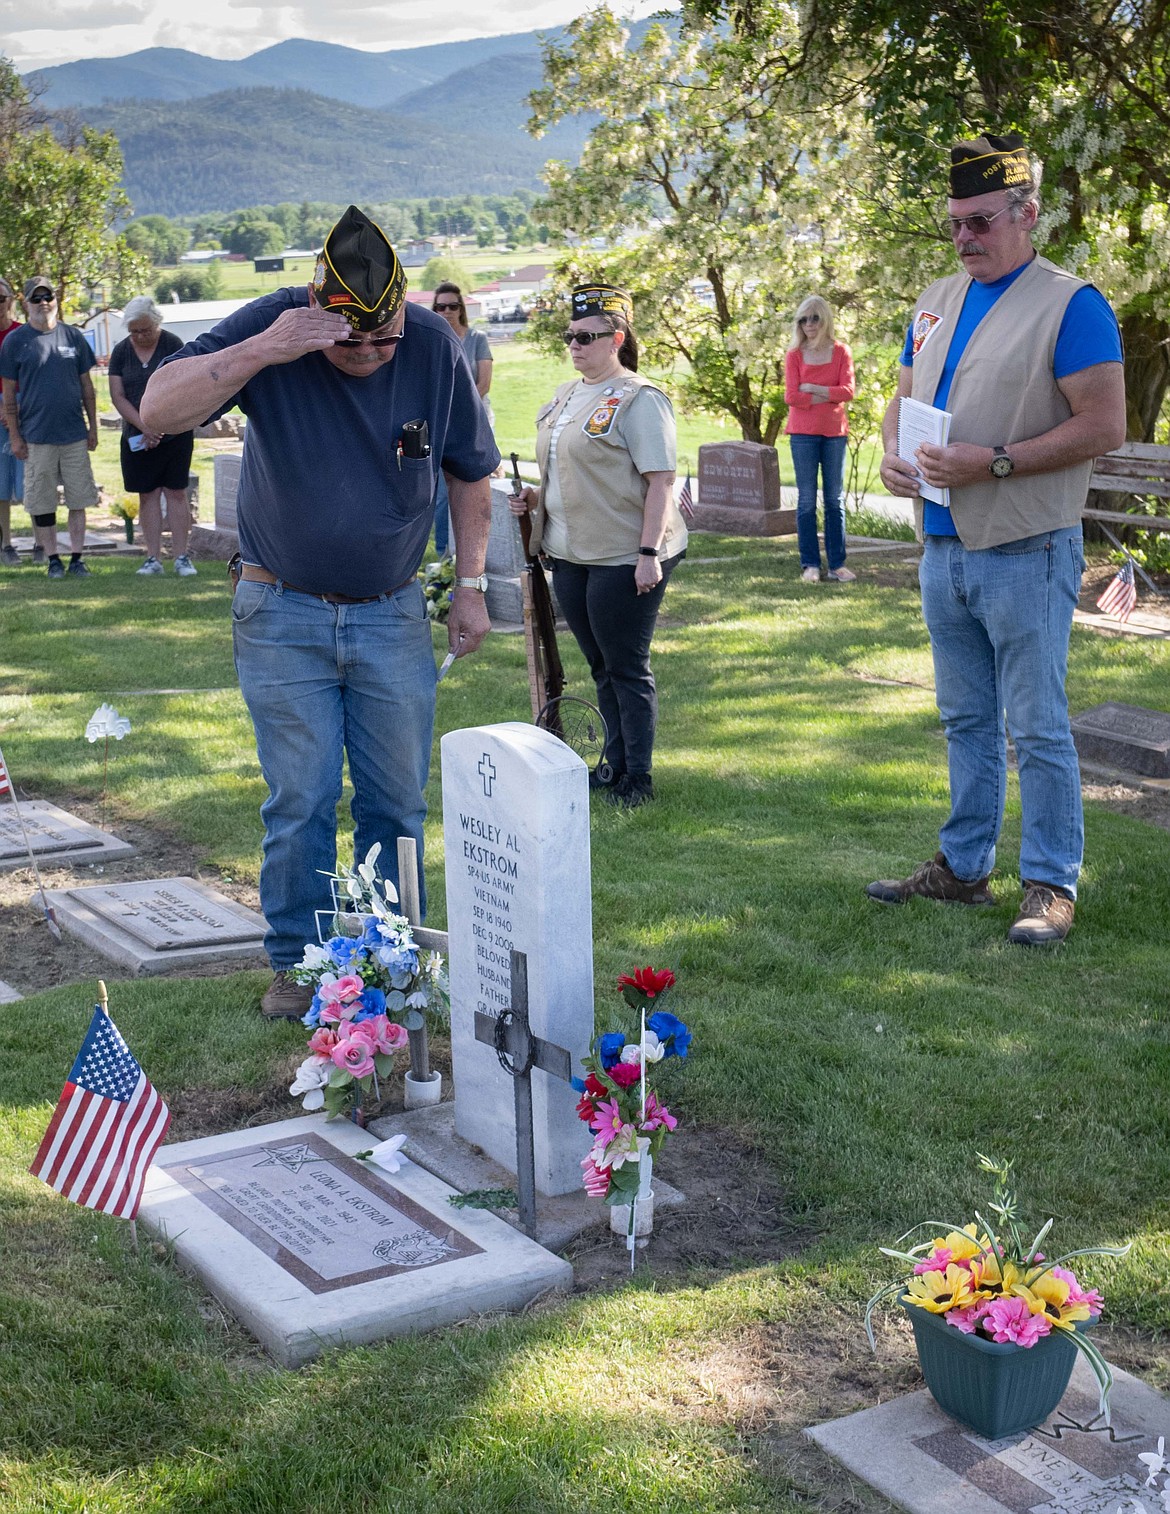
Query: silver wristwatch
[479, 583]
[1001, 465]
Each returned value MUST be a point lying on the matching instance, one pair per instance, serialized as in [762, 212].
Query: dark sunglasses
[583, 338]
[454, 306]
[42, 297]
[374, 341]
[809, 320]
[978, 226]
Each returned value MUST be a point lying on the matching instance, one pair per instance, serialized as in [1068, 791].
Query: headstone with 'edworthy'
[739, 491]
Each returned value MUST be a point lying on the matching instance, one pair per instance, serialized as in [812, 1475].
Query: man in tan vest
[1028, 360]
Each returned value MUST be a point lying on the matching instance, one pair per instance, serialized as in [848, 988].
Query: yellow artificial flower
[993, 1278]
[961, 1244]
[940, 1291]
[1044, 1293]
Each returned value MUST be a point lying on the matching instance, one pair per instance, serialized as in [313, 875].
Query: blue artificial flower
[312, 1016]
[373, 1003]
[398, 960]
[371, 936]
[577, 1085]
[671, 1031]
[609, 1048]
[344, 949]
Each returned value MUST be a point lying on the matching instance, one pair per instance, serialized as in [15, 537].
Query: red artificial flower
[649, 982]
[594, 1086]
[585, 1110]
[625, 1074]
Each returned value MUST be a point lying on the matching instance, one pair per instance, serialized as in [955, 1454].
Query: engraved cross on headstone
[519, 1052]
[487, 771]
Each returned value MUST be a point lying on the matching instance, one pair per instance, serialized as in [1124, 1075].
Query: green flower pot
[994, 1389]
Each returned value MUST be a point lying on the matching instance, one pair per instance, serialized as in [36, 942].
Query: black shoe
[10, 557]
[38, 556]
[78, 569]
[56, 568]
[633, 790]
[603, 779]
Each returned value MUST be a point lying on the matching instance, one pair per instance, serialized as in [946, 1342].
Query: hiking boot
[286, 999]
[632, 790]
[842, 576]
[56, 568]
[38, 556]
[10, 557]
[150, 567]
[1045, 917]
[78, 569]
[933, 880]
[810, 576]
[184, 567]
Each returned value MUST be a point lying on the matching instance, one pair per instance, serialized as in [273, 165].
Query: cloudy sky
[35, 33]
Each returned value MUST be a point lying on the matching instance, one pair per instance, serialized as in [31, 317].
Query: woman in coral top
[818, 383]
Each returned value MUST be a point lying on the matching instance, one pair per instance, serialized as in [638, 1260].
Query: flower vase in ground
[130, 531]
[640, 1215]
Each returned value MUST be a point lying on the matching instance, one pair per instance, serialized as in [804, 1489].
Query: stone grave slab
[55, 836]
[8, 995]
[928, 1463]
[1125, 736]
[311, 1248]
[159, 923]
[739, 491]
[516, 825]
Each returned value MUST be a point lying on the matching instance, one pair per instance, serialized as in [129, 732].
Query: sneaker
[10, 557]
[933, 880]
[842, 576]
[78, 569]
[56, 568]
[286, 999]
[811, 576]
[184, 567]
[38, 556]
[149, 567]
[1045, 917]
[632, 790]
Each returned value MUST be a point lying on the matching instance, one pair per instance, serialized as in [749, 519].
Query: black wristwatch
[1001, 465]
[647, 551]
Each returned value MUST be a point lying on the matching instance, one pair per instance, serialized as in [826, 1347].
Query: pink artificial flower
[387, 1035]
[1010, 1320]
[938, 1261]
[626, 1074]
[965, 1319]
[323, 1041]
[330, 1014]
[355, 1054]
[607, 1124]
[341, 990]
[1079, 1295]
[596, 1178]
[657, 1115]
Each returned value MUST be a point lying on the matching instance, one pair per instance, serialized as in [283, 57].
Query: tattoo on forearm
[214, 372]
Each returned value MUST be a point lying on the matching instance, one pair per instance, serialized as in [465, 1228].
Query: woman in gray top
[448, 302]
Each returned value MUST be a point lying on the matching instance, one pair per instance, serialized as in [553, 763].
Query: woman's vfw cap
[601, 299]
[988, 163]
[358, 273]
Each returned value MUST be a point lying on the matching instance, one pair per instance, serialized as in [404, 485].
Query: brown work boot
[286, 999]
[1045, 917]
[933, 880]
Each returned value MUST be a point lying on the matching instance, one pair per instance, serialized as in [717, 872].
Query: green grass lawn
[866, 1052]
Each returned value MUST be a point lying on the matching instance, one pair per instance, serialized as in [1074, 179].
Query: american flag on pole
[107, 1126]
[4, 783]
[1120, 597]
[686, 500]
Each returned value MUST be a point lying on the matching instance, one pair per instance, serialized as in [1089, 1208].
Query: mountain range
[315, 121]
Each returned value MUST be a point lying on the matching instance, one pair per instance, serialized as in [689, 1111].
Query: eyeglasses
[977, 225]
[583, 338]
[454, 306]
[809, 320]
[42, 297]
[374, 341]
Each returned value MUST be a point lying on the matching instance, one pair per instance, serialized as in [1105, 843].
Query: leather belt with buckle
[254, 573]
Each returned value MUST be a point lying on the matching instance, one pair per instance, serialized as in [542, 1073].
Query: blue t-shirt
[47, 366]
[325, 502]
[1088, 334]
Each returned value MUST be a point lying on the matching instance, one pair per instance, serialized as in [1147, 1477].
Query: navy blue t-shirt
[47, 365]
[324, 501]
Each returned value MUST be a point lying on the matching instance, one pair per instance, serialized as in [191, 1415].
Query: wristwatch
[479, 583]
[647, 551]
[1001, 465]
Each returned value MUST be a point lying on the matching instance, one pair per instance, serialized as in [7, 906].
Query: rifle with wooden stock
[546, 677]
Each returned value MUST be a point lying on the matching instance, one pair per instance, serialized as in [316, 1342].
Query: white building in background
[105, 330]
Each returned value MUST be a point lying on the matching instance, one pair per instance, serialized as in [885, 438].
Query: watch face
[1002, 467]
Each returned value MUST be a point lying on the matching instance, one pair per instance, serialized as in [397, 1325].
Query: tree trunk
[1147, 372]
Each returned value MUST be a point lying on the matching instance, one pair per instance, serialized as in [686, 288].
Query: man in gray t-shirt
[51, 412]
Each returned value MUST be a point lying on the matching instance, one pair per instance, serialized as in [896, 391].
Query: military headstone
[54, 835]
[159, 923]
[516, 825]
[221, 541]
[1125, 736]
[739, 491]
[311, 1248]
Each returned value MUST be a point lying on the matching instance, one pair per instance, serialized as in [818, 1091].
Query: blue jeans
[999, 623]
[11, 470]
[442, 517]
[826, 454]
[319, 680]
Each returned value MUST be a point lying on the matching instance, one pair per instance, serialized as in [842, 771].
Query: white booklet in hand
[918, 423]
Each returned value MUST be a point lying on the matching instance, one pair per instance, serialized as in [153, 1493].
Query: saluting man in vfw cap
[354, 400]
[1027, 358]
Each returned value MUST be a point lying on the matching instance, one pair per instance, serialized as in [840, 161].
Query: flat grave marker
[159, 923]
[1125, 736]
[311, 1248]
[928, 1463]
[54, 835]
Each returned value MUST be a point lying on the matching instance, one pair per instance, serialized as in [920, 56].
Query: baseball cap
[38, 281]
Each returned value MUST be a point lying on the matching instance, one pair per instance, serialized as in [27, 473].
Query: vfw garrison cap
[988, 163]
[358, 273]
[601, 299]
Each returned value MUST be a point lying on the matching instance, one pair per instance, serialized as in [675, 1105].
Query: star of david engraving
[487, 772]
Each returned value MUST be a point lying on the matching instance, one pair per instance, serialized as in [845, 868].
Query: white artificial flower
[313, 1073]
[366, 869]
[1154, 1460]
[417, 1000]
[387, 1154]
[655, 1051]
[313, 1100]
[315, 957]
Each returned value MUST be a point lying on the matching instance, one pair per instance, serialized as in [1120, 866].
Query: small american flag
[107, 1126]
[5, 786]
[1120, 597]
[686, 501]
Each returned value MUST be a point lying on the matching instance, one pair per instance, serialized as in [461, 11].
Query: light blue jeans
[319, 680]
[999, 623]
[824, 455]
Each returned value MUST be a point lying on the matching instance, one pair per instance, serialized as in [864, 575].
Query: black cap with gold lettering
[358, 273]
[988, 163]
[601, 299]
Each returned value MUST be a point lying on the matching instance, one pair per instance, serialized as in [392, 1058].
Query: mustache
[970, 250]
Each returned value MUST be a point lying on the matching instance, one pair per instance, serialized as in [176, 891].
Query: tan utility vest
[1003, 391]
[604, 493]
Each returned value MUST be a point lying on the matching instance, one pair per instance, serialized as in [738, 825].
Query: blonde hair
[813, 305]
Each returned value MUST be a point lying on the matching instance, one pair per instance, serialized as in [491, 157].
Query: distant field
[241, 281]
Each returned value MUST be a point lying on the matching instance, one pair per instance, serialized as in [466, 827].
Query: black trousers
[613, 625]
